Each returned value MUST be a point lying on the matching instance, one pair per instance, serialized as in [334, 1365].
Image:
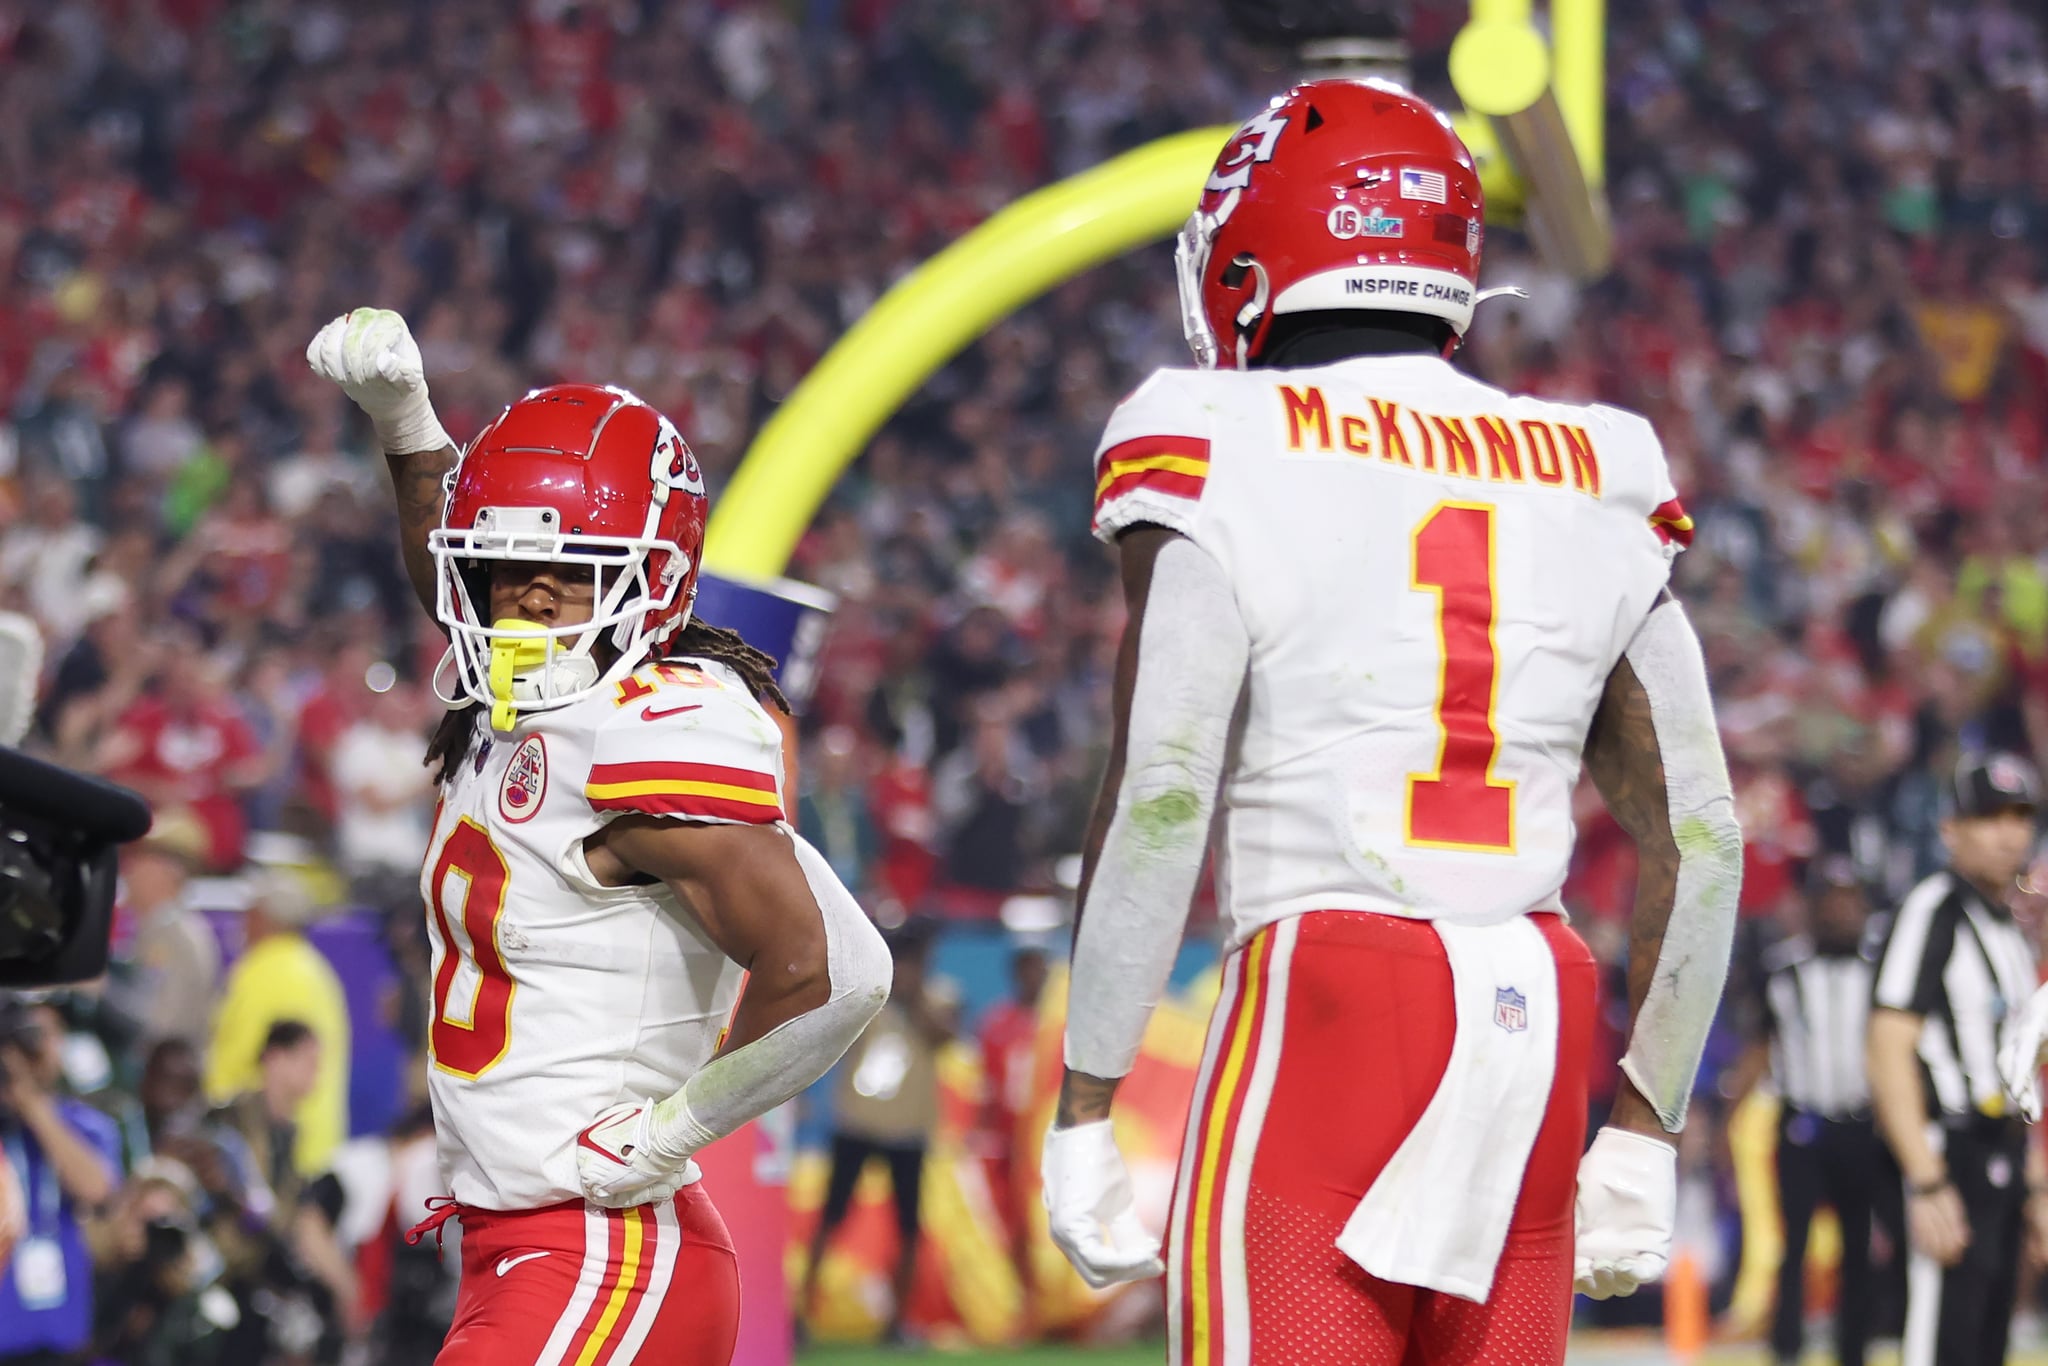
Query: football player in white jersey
[609, 854]
[1381, 617]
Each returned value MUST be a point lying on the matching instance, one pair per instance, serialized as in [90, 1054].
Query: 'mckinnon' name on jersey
[1500, 450]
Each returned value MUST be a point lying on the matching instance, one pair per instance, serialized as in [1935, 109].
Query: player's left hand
[1090, 1209]
[1628, 1202]
[617, 1166]
[2019, 1057]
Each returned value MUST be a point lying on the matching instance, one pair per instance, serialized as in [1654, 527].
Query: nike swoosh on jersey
[650, 714]
[505, 1264]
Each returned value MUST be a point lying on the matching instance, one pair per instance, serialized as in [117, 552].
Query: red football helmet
[581, 473]
[1340, 194]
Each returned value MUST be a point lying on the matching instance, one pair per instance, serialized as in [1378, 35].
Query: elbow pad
[1192, 654]
[748, 1082]
[1692, 964]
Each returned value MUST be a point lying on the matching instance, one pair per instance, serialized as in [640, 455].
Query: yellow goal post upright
[1534, 119]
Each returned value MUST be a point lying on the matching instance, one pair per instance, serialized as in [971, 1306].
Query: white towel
[1439, 1212]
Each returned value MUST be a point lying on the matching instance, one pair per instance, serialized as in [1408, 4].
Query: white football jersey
[1437, 578]
[554, 996]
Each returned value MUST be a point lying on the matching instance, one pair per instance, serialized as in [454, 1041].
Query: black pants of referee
[1841, 1163]
[1959, 1315]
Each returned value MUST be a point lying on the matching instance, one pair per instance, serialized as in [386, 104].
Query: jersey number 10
[470, 1035]
[1461, 805]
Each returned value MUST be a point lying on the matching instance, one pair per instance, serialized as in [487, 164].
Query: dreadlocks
[756, 668]
[456, 735]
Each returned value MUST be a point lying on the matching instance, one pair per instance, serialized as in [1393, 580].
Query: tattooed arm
[418, 477]
[370, 353]
[1622, 757]
[1179, 672]
[1655, 754]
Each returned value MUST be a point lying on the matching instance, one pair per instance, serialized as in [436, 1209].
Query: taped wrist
[410, 426]
[748, 1082]
[1192, 654]
[1692, 964]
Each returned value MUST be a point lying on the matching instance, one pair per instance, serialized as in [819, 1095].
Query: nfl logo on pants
[1510, 1009]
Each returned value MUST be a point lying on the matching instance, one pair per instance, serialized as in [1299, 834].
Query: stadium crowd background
[1831, 298]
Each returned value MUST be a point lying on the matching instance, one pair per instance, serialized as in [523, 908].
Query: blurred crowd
[1831, 297]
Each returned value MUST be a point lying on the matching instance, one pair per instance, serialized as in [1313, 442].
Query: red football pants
[1331, 1035]
[575, 1285]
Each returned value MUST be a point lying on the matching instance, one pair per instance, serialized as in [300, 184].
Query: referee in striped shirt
[1954, 967]
[1816, 1000]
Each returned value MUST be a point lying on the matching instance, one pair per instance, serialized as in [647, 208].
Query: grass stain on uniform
[1395, 883]
[1161, 821]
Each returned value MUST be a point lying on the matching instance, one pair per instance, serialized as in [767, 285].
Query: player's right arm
[370, 353]
[817, 974]
[1655, 754]
[692, 801]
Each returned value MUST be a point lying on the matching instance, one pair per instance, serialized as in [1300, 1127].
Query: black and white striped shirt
[1961, 964]
[1818, 1006]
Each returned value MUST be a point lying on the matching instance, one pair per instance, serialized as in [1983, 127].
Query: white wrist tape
[411, 426]
[1192, 654]
[1692, 965]
[748, 1082]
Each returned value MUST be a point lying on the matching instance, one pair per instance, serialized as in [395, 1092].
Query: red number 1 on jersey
[1461, 805]
[473, 1039]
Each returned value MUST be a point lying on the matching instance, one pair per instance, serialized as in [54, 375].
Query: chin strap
[1498, 291]
[1252, 317]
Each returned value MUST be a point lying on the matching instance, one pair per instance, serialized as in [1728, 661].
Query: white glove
[1628, 1201]
[1090, 1208]
[2019, 1057]
[618, 1167]
[370, 353]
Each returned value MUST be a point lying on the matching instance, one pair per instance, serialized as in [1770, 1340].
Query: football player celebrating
[608, 855]
[1381, 617]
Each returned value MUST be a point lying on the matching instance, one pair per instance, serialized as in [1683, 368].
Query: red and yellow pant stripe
[1208, 1304]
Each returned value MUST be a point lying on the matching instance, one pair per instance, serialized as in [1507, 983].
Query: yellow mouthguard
[511, 656]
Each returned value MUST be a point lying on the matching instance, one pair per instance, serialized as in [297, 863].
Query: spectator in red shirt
[341, 700]
[902, 801]
[1009, 1048]
[183, 745]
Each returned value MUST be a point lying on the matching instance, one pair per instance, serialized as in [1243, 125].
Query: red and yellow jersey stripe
[1669, 520]
[1173, 465]
[714, 791]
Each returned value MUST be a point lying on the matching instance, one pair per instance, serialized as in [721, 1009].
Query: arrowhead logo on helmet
[1265, 239]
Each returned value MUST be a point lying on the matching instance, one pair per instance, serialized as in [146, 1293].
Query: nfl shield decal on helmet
[1510, 1009]
[526, 781]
